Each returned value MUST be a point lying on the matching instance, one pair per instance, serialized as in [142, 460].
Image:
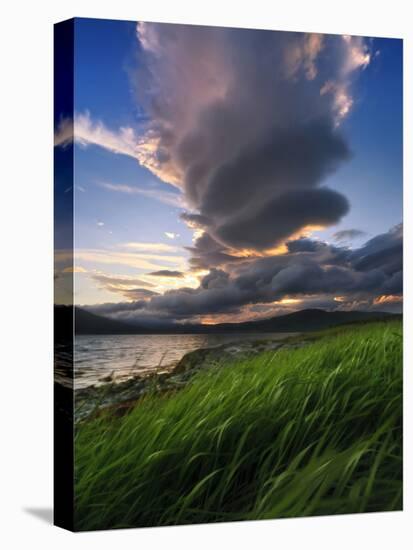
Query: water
[124, 356]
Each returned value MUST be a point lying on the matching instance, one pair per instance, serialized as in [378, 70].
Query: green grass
[310, 431]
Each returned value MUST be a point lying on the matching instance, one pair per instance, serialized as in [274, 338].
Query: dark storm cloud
[283, 159]
[216, 278]
[394, 284]
[138, 293]
[245, 122]
[309, 269]
[116, 309]
[348, 235]
[275, 180]
[337, 255]
[208, 253]
[243, 201]
[282, 216]
[195, 220]
[305, 245]
[384, 253]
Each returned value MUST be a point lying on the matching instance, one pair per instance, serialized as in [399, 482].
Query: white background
[26, 206]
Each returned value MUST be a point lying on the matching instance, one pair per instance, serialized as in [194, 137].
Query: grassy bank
[316, 430]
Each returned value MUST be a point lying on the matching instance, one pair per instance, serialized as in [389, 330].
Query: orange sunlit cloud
[387, 299]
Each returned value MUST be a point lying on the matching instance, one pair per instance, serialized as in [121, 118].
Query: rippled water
[123, 356]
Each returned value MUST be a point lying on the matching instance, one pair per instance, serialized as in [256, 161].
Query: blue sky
[121, 200]
[373, 179]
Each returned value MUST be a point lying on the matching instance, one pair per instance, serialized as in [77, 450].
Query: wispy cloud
[146, 285]
[85, 132]
[145, 261]
[302, 56]
[167, 273]
[120, 280]
[77, 188]
[356, 55]
[152, 247]
[128, 287]
[74, 269]
[171, 235]
[166, 197]
[125, 141]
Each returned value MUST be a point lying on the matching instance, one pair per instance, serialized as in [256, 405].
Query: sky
[232, 174]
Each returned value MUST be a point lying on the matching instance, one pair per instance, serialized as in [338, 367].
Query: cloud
[303, 55]
[74, 269]
[310, 274]
[252, 128]
[383, 251]
[152, 247]
[282, 217]
[129, 287]
[137, 259]
[84, 131]
[195, 221]
[347, 235]
[167, 273]
[166, 197]
[125, 141]
[63, 135]
[354, 55]
[247, 131]
[247, 124]
[76, 187]
[357, 54]
[171, 235]
[208, 253]
[244, 132]
[216, 278]
[137, 293]
[119, 281]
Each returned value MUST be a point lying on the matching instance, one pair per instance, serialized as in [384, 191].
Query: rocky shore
[119, 397]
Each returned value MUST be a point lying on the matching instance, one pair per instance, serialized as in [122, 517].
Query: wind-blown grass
[315, 430]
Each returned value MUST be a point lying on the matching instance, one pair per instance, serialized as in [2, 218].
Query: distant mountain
[299, 321]
[86, 322]
[305, 320]
[90, 323]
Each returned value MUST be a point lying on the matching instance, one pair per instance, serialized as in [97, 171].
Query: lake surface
[124, 356]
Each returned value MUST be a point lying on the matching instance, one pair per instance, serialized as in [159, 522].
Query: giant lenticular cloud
[247, 124]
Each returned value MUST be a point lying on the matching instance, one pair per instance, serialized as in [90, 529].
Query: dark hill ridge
[87, 322]
[305, 320]
[299, 321]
